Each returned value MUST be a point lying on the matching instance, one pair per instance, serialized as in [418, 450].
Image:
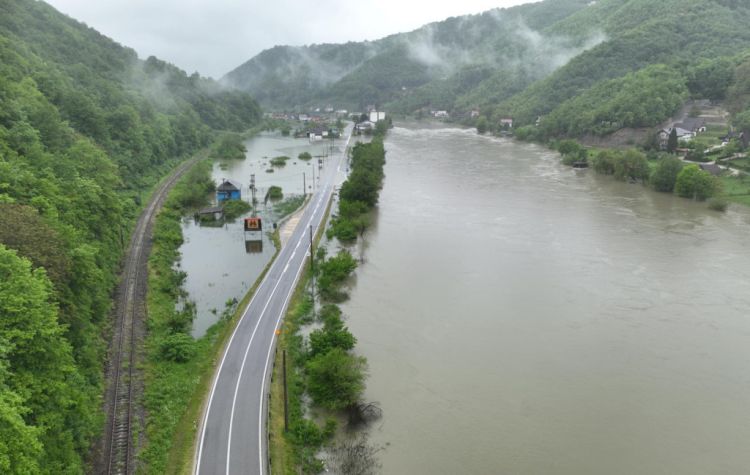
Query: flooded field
[223, 261]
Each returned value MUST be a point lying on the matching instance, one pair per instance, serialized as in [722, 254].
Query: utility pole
[286, 398]
[252, 188]
[312, 272]
[304, 185]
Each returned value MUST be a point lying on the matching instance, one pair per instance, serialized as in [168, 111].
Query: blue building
[228, 190]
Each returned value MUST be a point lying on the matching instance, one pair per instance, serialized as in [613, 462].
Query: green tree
[672, 141]
[36, 353]
[178, 347]
[692, 182]
[482, 125]
[742, 122]
[665, 174]
[334, 334]
[275, 192]
[336, 379]
[631, 166]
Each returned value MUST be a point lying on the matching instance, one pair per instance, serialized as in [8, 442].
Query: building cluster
[685, 131]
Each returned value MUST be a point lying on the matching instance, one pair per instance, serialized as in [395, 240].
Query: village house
[317, 134]
[506, 122]
[376, 116]
[683, 135]
[228, 190]
[440, 114]
[694, 125]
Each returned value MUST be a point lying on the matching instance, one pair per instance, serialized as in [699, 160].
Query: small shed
[212, 212]
[228, 190]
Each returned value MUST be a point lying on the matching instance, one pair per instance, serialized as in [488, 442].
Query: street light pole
[312, 272]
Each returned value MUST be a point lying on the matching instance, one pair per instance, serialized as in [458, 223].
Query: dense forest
[583, 67]
[85, 129]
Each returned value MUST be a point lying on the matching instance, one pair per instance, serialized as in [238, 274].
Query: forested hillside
[583, 67]
[458, 52]
[683, 35]
[85, 127]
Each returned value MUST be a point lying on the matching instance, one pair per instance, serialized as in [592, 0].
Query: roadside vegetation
[288, 205]
[322, 367]
[359, 193]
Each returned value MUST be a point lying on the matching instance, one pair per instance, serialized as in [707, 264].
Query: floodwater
[521, 317]
[223, 262]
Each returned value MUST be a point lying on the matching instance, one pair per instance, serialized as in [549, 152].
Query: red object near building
[253, 224]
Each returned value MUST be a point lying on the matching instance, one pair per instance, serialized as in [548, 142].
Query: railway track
[118, 451]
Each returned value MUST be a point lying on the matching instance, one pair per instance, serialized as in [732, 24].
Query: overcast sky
[215, 36]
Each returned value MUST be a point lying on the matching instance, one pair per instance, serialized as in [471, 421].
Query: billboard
[253, 224]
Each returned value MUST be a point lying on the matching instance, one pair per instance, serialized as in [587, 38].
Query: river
[522, 317]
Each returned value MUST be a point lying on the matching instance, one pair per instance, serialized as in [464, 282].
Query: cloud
[213, 37]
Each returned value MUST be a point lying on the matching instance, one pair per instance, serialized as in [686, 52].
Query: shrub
[235, 208]
[336, 379]
[718, 204]
[692, 182]
[665, 174]
[177, 347]
[275, 193]
[279, 161]
[631, 166]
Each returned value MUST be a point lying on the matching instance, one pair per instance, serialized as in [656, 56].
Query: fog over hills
[523, 62]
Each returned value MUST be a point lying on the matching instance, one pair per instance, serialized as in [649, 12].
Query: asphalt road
[233, 437]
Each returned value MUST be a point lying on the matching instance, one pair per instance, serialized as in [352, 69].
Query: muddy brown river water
[520, 317]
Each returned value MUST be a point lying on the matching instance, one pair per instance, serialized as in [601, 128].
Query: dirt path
[287, 227]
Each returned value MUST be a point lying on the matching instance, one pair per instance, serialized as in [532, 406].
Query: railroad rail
[118, 452]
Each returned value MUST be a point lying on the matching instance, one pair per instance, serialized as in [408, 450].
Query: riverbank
[662, 172]
[324, 377]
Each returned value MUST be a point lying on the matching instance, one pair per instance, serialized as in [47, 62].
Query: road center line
[242, 366]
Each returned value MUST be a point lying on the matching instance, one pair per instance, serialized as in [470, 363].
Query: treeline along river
[519, 316]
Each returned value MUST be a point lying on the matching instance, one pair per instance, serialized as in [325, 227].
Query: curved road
[233, 437]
